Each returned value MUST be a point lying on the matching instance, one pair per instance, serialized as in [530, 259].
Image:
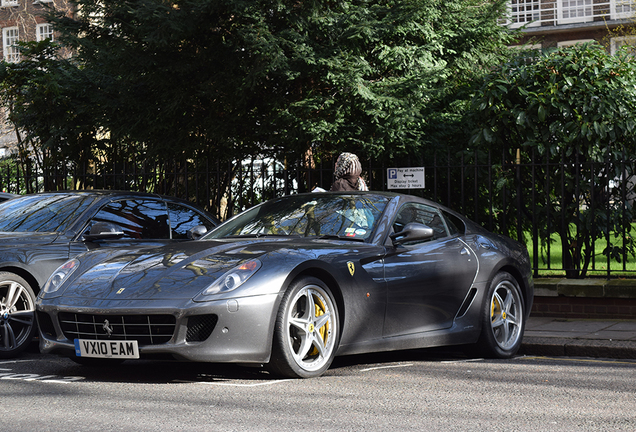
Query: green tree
[383, 78]
[576, 109]
[47, 104]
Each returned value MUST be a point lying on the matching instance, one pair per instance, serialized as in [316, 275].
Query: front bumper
[242, 334]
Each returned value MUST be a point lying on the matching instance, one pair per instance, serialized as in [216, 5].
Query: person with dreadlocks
[347, 174]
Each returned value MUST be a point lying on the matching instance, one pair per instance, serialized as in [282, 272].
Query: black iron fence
[576, 218]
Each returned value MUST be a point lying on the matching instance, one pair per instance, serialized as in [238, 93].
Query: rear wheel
[17, 314]
[503, 318]
[306, 332]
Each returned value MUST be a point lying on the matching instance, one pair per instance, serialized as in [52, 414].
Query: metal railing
[517, 197]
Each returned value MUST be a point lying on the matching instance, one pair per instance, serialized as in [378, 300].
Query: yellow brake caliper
[320, 310]
[495, 307]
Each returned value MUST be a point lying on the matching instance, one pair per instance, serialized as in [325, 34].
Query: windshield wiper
[259, 235]
[339, 237]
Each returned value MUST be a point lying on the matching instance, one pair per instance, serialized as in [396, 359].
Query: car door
[183, 218]
[143, 221]
[427, 281]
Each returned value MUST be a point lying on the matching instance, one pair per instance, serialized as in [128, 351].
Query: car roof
[101, 195]
[401, 198]
[107, 193]
[101, 192]
[391, 195]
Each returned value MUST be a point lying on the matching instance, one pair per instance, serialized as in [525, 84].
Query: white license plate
[106, 349]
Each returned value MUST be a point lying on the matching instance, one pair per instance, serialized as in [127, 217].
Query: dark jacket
[345, 183]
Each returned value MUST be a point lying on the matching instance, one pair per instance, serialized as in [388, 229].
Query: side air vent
[46, 325]
[200, 327]
[467, 302]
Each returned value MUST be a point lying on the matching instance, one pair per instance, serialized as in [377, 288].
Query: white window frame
[524, 13]
[623, 9]
[44, 31]
[573, 42]
[575, 11]
[10, 35]
[528, 47]
[617, 42]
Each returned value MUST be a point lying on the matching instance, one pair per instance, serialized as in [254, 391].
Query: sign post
[405, 178]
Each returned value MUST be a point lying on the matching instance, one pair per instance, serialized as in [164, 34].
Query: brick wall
[584, 307]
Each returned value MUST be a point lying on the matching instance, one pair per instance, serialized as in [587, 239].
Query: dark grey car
[41, 231]
[293, 282]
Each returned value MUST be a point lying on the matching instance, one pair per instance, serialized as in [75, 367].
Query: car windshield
[41, 213]
[309, 215]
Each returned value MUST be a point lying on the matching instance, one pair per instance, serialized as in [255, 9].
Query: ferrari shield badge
[351, 267]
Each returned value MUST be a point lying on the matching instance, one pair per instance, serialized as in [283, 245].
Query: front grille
[145, 329]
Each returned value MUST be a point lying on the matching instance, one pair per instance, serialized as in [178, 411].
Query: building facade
[555, 23]
[24, 20]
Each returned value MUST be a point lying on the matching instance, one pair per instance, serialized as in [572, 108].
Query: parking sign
[405, 178]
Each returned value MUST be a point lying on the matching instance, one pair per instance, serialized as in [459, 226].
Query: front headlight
[62, 273]
[231, 280]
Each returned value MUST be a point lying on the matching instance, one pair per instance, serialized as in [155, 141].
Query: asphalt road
[416, 390]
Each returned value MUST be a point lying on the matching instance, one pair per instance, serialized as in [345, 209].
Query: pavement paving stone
[580, 338]
[624, 326]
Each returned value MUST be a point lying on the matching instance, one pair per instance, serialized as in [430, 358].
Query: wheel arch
[24, 274]
[515, 273]
[521, 281]
[327, 277]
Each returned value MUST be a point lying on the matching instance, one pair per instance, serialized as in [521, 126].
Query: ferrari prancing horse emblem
[351, 267]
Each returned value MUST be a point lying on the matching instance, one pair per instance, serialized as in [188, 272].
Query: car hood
[26, 238]
[172, 272]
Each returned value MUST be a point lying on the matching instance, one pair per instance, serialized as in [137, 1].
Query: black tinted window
[346, 216]
[183, 218]
[455, 224]
[42, 213]
[420, 213]
[138, 219]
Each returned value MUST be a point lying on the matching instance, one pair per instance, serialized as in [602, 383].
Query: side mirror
[412, 232]
[197, 232]
[104, 231]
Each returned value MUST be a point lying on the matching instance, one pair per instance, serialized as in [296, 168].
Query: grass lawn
[598, 267]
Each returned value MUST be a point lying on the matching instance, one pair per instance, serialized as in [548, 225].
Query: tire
[307, 330]
[503, 318]
[17, 315]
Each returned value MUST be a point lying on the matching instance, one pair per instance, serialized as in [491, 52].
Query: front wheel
[306, 332]
[17, 314]
[503, 318]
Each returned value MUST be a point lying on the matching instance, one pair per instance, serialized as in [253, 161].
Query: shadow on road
[157, 371]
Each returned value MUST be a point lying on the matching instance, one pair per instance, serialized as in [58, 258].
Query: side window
[455, 224]
[183, 218]
[139, 219]
[414, 212]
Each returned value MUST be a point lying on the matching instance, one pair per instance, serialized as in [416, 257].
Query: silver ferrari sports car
[293, 282]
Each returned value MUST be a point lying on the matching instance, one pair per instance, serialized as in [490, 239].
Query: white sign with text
[405, 178]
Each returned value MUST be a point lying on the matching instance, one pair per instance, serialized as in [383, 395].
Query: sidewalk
[580, 338]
